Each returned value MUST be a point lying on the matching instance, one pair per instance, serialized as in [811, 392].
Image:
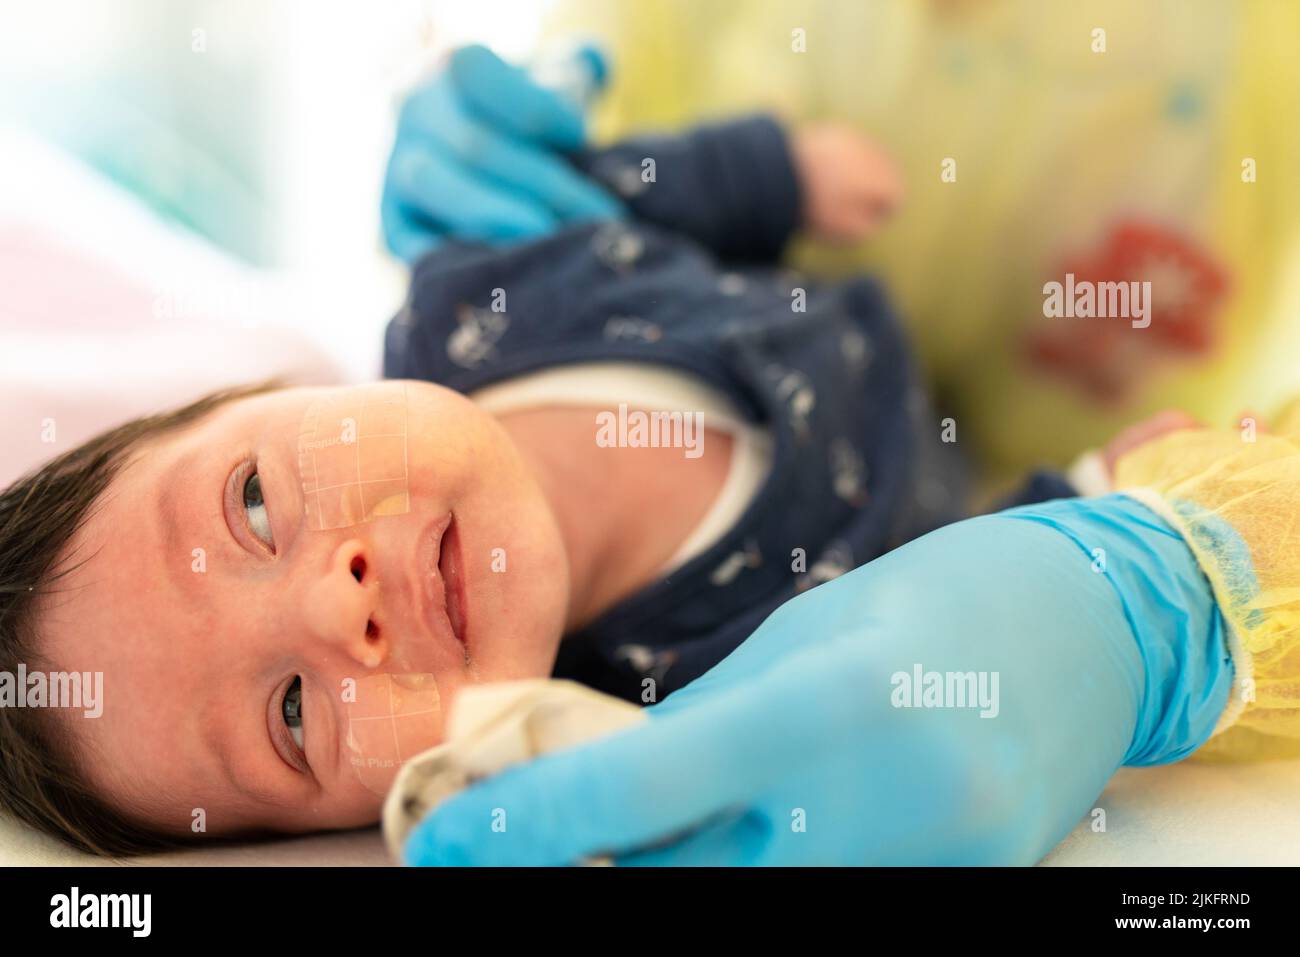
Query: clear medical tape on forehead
[391, 718]
[352, 457]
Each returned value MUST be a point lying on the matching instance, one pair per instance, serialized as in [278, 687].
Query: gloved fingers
[732, 840]
[437, 123]
[542, 176]
[460, 202]
[505, 167]
[634, 789]
[407, 234]
[508, 99]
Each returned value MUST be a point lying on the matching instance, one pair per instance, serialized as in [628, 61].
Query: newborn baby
[639, 437]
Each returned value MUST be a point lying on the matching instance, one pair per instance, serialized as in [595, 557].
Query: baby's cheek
[390, 719]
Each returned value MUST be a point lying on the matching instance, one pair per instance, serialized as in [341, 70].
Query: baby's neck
[622, 512]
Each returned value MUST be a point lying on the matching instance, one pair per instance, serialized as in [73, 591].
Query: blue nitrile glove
[479, 155]
[796, 749]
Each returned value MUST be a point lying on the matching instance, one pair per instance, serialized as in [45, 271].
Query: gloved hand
[798, 749]
[479, 155]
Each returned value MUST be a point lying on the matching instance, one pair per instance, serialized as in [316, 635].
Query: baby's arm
[744, 186]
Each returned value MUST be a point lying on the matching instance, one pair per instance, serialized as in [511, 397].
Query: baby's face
[285, 598]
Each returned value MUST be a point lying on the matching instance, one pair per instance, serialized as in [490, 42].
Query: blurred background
[259, 127]
[189, 188]
[189, 195]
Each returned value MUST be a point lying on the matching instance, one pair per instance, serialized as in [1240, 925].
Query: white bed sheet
[1179, 815]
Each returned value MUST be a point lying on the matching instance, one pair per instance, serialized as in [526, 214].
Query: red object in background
[1107, 357]
[1187, 286]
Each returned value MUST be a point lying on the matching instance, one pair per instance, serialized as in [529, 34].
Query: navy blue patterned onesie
[690, 281]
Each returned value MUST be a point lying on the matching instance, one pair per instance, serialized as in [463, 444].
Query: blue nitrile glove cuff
[1170, 606]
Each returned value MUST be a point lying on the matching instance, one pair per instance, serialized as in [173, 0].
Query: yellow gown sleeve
[1235, 497]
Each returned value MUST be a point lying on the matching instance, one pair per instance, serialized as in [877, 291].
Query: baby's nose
[342, 604]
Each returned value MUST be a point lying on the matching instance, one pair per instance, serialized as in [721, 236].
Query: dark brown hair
[40, 783]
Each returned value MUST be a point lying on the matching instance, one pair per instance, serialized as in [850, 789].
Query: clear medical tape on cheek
[352, 457]
[391, 718]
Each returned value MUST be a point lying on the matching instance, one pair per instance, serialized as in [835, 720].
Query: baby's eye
[291, 708]
[255, 507]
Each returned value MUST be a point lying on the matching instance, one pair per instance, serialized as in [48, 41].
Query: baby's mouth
[451, 569]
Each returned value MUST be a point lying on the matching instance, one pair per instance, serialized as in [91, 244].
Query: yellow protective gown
[1164, 148]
